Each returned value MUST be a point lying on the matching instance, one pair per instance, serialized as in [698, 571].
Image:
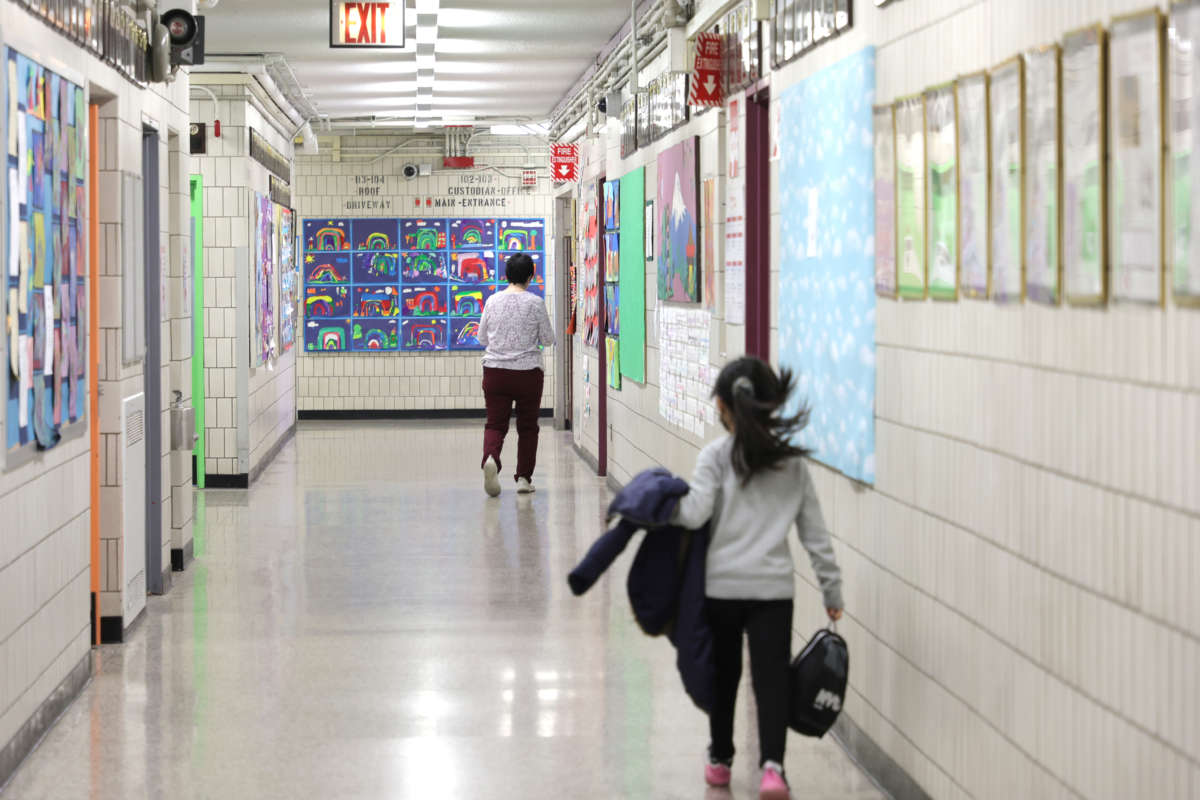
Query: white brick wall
[1018, 581]
[404, 381]
[45, 513]
[247, 410]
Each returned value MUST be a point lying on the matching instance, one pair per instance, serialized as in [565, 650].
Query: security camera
[410, 171]
[602, 105]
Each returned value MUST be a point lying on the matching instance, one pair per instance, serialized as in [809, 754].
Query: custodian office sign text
[376, 25]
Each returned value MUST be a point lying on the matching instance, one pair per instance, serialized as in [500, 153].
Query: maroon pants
[502, 388]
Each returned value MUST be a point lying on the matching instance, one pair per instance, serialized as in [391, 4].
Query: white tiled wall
[1018, 582]
[45, 513]
[247, 410]
[406, 381]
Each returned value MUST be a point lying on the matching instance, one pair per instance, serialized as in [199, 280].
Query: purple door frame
[602, 342]
[758, 221]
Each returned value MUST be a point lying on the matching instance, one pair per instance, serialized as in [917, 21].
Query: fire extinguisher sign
[706, 74]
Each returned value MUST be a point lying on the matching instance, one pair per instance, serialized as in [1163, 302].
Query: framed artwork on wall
[649, 229]
[884, 121]
[678, 243]
[1184, 100]
[941, 176]
[910, 197]
[1007, 248]
[973, 151]
[1043, 175]
[1085, 185]
[1135, 131]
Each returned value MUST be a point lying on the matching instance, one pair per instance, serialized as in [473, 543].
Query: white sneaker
[491, 477]
[524, 486]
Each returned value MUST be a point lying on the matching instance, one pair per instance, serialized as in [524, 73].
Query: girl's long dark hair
[755, 396]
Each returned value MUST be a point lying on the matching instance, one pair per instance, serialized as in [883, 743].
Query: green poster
[910, 197]
[632, 282]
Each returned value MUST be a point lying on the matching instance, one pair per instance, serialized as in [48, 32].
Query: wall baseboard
[877, 764]
[182, 556]
[270, 456]
[404, 414]
[587, 457]
[30, 734]
[239, 481]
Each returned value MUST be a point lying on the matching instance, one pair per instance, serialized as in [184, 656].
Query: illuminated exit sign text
[366, 24]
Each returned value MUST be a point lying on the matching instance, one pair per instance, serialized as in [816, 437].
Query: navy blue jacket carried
[666, 581]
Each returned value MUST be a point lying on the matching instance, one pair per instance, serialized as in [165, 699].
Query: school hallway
[365, 623]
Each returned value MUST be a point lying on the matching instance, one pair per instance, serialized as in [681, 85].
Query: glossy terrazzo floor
[365, 623]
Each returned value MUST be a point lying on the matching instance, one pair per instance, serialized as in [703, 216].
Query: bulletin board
[44, 302]
[827, 285]
[414, 284]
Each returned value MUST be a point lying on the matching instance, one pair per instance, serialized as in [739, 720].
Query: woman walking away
[514, 329]
[753, 485]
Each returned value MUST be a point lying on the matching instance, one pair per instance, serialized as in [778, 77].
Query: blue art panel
[377, 267]
[468, 300]
[521, 234]
[43, 286]
[473, 267]
[326, 235]
[424, 301]
[376, 335]
[326, 301]
[422, 234]
[539, 267]
[612, 310]
[375, 234]
[464, 334]
[827, 286]
[423, 334]
[423, 266]
[472, 234]
[326, 268]
[327, 335]
[376, 301]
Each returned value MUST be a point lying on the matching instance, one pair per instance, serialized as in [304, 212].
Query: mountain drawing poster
[678, 239]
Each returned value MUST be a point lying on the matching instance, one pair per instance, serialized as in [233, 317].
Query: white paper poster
[685, 375]
[25, 343]
[14, 222]
[735, 218]
[48, 310]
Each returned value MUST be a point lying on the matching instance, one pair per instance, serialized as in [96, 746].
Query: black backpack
[818, 683]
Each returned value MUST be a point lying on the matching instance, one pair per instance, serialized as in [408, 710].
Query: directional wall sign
[373, 25]
[564, 162]
[706, 77]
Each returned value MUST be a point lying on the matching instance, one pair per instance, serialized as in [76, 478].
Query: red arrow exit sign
[376, 25]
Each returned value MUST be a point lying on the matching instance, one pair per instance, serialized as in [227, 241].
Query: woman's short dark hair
[763, 434]
[519, 268]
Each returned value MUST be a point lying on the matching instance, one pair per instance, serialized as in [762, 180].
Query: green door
[197, 188]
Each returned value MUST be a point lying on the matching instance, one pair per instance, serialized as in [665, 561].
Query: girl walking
[753, 485]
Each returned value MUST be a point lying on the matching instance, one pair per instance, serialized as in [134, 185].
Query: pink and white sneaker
[773, 786]
[717, 773]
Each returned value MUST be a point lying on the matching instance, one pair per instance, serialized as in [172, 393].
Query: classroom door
[152, 372]
[758, 224]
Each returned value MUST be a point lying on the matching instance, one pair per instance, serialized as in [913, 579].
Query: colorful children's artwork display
[678, 216]
[612, 310]
[589, 254]
[612, 205]
[262, 310]
[44, 298]
[612, 257]
[288, 295]
[827, 283]
[386, 285]
[612, 351]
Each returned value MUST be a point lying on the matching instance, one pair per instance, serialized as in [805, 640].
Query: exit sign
[366, 24]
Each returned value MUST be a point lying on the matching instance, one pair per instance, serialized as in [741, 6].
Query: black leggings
[768, 625]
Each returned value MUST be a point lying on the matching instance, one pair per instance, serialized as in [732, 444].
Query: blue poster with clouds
[827, 246]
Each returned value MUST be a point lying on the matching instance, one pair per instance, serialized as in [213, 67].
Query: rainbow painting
[327, 336]
[373, 335]
[423, 334]
[472, 234]
[423, 234]
[375, 234]
[423, 266]
[326, 301]
[473, 267]
[522, 235]
[376, 301]
[464, 334]
[376, 267]
[324, 236]
[424, 301]
[468, 301]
